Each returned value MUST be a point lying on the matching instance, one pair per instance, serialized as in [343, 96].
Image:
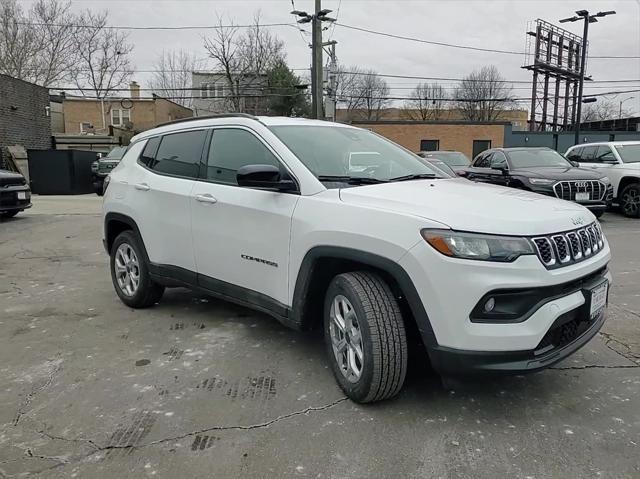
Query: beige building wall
[144, 113]
[452, 136]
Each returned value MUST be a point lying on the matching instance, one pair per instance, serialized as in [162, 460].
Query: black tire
[148, 292]
[598, 213]
[9, 214]
[384, 341]
[630, 200]
[99, 192]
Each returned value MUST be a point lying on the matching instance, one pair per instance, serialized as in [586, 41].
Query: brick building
[468, 137]
[82, 115]
[24, 116]
[212, 94]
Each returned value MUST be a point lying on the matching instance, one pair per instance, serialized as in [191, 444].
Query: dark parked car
[543, 171]
[15, 194]
[103, 166]
[457, 161]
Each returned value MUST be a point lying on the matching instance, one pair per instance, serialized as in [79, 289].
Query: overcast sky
[482, 23]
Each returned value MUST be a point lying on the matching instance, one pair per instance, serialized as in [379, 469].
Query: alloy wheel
[127, 269]
[631, 202]
[346, 338]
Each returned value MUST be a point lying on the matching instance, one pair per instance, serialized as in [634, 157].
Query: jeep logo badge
[577, 220]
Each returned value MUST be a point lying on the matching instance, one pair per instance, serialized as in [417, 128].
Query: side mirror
[501, 167]
[263, 176]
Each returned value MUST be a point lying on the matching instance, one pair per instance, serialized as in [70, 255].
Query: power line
[463, 47]
[131, 27]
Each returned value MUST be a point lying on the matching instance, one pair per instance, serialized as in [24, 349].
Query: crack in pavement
[229, 428]
[34, 391]
[609, 338]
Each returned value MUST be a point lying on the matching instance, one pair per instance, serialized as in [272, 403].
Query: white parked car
[266, 213]
[620, 160]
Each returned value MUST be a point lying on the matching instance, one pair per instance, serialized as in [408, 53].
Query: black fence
[61, 172]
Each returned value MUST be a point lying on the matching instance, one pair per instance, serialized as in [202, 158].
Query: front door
[241, 235]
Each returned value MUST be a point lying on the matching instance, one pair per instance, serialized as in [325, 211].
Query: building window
[204, 90]
[479, 146]
[120, 117]
[429, 145]
[85, 127]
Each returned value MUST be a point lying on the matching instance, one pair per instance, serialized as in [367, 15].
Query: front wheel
[130, 273]
[598, 213]
[9, 214]
[365, 337]
[630, 200]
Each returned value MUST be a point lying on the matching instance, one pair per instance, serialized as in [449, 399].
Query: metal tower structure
[553, 55]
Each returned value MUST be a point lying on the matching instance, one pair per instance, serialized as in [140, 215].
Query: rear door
[241, 235]
[161, 193]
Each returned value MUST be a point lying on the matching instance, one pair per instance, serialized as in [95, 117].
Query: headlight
[541, 181]
[605, 179]
[477, 246]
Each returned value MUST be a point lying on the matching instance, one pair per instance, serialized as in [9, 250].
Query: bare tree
[103, 62]
[363, 92]
[172, 76]
[244, 58]
[37, 46]
[602, 110]
[483, 95]
[426, 103]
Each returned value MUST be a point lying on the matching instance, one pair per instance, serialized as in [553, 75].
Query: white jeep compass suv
[266, 213]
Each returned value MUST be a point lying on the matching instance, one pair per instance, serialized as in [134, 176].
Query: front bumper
[569, 332]
[449, 290]
[9, 200]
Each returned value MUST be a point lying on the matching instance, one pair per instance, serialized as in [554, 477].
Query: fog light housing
[489, 305]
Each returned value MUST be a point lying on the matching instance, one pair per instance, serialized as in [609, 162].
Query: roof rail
[208, 117]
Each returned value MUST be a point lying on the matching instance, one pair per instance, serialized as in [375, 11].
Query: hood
[559, 173]
[468, 206]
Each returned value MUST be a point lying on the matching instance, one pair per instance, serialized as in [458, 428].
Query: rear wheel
[365, 337]
[130, 273]
[630, 200]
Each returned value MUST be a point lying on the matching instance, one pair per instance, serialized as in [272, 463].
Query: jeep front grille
[570, 247]
[566, 190]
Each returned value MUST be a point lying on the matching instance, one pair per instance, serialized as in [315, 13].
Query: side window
[605, 155]
[588, 154]
[233, 148]
[498, 160]
[149, 153]
[483, 161]
[179, 154]
[575, 154]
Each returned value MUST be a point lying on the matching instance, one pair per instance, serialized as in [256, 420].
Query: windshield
[534, 158]
[116, 153]
[629, 153]
[451, 158]
[336, 153]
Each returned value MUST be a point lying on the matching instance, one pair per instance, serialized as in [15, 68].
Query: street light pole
[621, 102]
[583, 14]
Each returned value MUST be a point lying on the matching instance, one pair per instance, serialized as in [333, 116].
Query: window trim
[205, 159]
[120, 116]
[436, 141]
[162, 135]
[82, 130]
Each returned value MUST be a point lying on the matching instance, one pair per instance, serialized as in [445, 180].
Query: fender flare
[316, 254]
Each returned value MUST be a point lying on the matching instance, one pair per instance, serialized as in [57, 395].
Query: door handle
[206, 198]
[142, 187]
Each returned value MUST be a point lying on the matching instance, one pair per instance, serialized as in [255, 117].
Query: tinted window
[179, 154]
[483, 161]
[575, 154]
[588, 154]
[498, 160]
[149, 152]
[231, 149]
[604, 155]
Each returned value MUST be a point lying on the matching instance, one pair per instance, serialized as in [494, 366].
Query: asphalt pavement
[196, 387]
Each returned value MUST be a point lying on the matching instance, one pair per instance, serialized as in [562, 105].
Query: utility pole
[330, 108]
[584, 15]
[316, 20]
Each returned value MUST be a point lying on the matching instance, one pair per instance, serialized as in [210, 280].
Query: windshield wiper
[420, 176]
[352, 180]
